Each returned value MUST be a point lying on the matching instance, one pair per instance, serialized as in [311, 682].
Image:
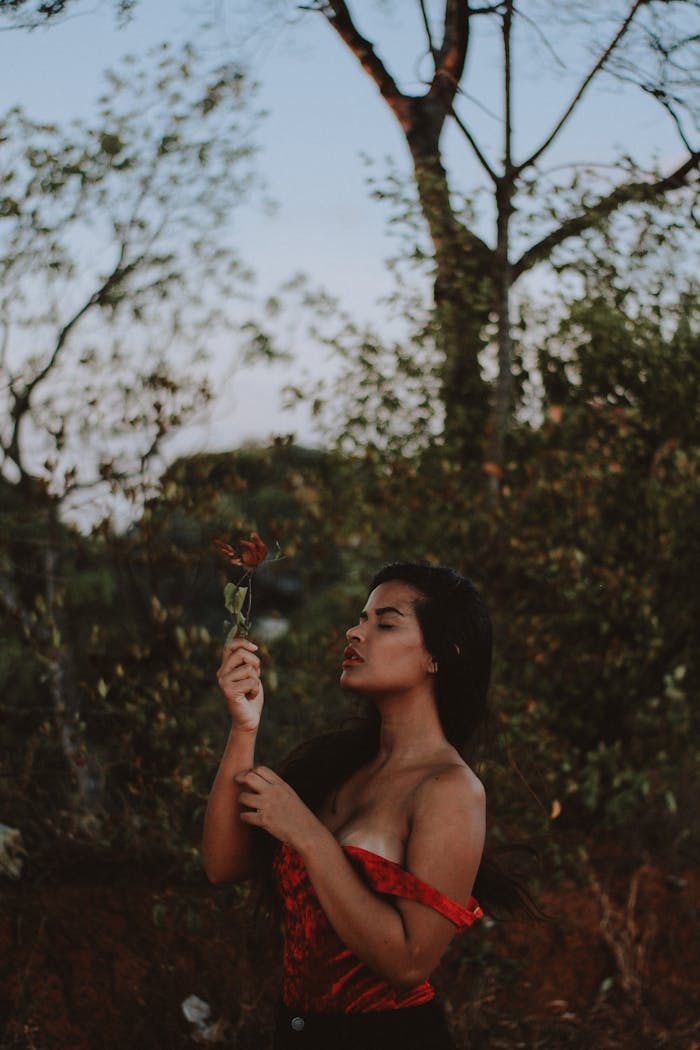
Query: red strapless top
[320, 973]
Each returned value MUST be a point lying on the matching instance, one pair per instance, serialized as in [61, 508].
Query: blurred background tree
[645, 44]
[118, 273]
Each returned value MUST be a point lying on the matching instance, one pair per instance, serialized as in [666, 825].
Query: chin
[348, 684]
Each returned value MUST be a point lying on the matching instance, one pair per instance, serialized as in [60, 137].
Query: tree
[117, 276]
[590, 557]
[650, 44]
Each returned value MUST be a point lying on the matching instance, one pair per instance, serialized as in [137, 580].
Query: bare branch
[4, 343]
[479, 105]
[639, 192]
[480, 156]
[584, 85]
[22, 400]
[428, 34]
[534, 26]
[667, 104]
[450, 59]
[338, 16]
[506, 29]
[97, 297]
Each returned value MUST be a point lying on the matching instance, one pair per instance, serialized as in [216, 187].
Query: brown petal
[253, 551]
[228, 552]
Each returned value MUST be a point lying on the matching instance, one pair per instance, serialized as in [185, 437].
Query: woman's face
[385, 651]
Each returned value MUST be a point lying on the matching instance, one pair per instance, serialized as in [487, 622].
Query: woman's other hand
[239, 681]
[270, 803]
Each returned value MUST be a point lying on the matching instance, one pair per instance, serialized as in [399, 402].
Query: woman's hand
[239, 681]
[270, 803]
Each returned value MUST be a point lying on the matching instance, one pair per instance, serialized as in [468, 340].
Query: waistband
[411, 1026]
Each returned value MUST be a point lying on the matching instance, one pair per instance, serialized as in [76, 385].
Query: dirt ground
[101, 954]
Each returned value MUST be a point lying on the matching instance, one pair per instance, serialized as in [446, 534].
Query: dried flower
[238, 596]
[253, 552]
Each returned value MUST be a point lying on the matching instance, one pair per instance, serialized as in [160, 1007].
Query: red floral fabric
[320, 973]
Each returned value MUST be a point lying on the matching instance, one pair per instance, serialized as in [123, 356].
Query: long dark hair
[456, 630]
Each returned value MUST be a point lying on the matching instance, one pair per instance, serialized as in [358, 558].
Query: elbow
[215, 874]
[219, 874]
[412, 971]
[223, 878]
[216, 877]
[406, 979]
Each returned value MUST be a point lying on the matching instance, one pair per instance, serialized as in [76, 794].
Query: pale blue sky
[323, 114]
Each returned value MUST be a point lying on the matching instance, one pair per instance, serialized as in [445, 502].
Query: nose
[353, 633]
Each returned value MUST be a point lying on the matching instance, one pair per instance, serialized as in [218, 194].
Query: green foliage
[601, 543]
[588, 561]
[116, 267]
[117, 263]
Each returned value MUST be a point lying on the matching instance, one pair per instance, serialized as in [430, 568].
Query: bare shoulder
[452, 785]
[448, 828]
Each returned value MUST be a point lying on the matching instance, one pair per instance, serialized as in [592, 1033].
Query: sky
[324, 117]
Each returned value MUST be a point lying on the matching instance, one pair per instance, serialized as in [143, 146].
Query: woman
[378, 832]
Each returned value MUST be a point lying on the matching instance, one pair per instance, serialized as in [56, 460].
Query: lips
[351, 657]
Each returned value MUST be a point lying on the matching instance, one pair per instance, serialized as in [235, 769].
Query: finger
[241, 643]
[236, 675]
[237, 656]
[256, 780]
[249, 798]
[242, 673]
[248, 687]
[237, 672]
[268, 775]
[236, 649]
[250, 816]
[250, 781]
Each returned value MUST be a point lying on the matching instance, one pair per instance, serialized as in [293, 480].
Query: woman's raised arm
[226, 841]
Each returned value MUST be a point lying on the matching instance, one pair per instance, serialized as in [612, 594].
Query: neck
[410, 728]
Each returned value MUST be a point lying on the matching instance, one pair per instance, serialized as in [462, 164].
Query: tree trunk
[464, 297]
[62, 686]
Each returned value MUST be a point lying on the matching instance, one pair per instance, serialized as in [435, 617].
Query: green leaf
[234, 597]
[159, 912]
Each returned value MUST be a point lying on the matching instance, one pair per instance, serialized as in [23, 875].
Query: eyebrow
[380, 612]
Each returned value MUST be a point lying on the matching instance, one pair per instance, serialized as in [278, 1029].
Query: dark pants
[413, 1028]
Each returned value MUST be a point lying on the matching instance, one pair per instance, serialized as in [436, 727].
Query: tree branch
[667, 103]
[450, 59]
[639, 192]
[480, 156]
[22, 400]
[428, 34]
[339, 18]
[97, 297]
[4, 343]
[582, 89]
